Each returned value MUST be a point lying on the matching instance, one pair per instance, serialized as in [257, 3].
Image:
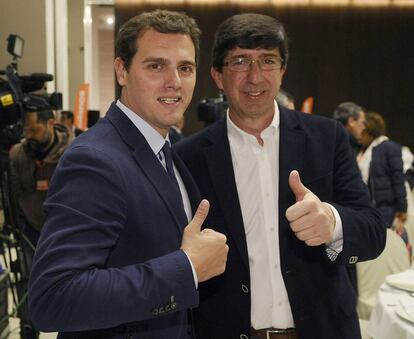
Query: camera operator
[32, 163]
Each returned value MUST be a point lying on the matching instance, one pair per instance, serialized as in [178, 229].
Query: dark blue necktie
[166, 149]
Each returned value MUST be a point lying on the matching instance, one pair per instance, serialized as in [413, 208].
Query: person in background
[286, 191]
[286, 99]
[66, 118]
[32, 164]
[121, 253]
[175, 133]
[381, 165]
[352, 116]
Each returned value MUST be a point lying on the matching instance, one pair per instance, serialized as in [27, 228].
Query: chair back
[371, 274]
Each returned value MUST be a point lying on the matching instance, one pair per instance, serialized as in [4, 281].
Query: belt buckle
[274, 331]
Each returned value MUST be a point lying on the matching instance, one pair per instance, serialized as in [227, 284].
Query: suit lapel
[149, 165]
[189, 183]
[220, 168]
[292, 148]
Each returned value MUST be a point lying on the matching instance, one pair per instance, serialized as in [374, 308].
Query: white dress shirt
[156, 142]
[256, 170]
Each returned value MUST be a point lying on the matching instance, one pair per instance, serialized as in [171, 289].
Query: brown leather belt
[274, 333]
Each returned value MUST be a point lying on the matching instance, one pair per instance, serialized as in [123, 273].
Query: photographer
[32, 163]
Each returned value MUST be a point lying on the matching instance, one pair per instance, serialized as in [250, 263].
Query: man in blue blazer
[116, 258]
[285, 190]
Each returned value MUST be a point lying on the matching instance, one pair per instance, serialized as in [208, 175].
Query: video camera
[212, 109]
[16, 97]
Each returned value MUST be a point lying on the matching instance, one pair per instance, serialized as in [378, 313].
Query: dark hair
[249, 31]
[67, 115]
[347, 110]
[44, 115]
[375, 124]
[162, 21]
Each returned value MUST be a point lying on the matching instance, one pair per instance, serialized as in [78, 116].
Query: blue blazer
[108, 263]
[322, 300]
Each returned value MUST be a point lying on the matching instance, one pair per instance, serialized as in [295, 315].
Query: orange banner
[80, 114]
[307, 105]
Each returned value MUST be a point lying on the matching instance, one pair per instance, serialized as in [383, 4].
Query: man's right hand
[207, 249]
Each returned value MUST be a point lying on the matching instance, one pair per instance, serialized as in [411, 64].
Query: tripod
[12, 242]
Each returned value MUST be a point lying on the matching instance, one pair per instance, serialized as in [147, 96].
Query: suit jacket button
[353, 259]
[244, 288]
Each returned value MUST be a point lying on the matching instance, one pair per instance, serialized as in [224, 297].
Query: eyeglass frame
[251, 61]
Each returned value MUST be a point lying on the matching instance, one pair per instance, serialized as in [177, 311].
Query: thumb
[199, 216]
[295, 184]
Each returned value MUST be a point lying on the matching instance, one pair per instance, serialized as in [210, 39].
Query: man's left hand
[312, 220]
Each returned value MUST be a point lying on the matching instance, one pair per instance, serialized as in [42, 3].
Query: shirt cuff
[193, 269]
[335, 246]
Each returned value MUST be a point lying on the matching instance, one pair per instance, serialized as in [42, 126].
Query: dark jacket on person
[322, 300]
[356, 147]
[386, 180]
[108, 263]
[31, 177]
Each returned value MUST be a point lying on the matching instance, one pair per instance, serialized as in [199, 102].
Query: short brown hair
[162, 21]
[375, 124]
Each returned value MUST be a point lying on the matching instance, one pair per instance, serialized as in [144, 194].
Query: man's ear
[120, 71]
[50, 123]
[217, 77]
[350, 121]
[282, 74]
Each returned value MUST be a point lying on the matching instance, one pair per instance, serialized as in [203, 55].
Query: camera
[212, 109]
[16, 95]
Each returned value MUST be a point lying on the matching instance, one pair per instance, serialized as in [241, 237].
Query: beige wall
[106, 73]
[27, 19]
[76, 48]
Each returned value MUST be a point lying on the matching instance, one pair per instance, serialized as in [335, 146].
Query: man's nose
[254, 74]
[173, 79]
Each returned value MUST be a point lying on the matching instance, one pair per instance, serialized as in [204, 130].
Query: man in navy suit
[118, 256]
[285, 190]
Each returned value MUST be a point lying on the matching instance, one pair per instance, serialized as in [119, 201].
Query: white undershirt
[256, 170]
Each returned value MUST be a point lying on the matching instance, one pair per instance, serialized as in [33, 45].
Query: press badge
[42, 185]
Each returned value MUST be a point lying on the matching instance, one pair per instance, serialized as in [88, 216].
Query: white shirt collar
[154, 139]
[244, 137]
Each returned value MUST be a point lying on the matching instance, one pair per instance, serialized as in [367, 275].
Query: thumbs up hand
[312, 220]
[207, 249]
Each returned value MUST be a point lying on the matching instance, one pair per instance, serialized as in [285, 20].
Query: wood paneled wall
[339, 54]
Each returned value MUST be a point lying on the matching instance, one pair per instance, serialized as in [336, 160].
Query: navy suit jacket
[108, 263]
[322, 300]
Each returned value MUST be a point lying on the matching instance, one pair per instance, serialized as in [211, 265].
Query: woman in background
[381, 165]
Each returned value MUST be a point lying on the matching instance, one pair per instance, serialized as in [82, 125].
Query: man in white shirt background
[285, 190]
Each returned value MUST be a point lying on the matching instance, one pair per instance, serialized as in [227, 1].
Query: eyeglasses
[266, 63]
